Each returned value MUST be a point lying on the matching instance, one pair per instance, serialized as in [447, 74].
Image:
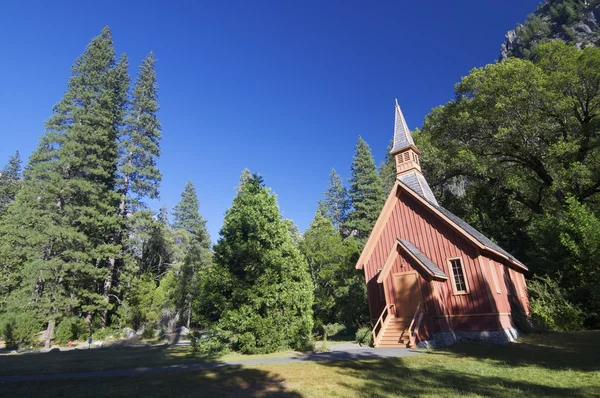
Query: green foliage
[58, 234]
[569, 252]
[139, 146]
[149, 333]
[71, 328]
[207, 345]
[331, 329]
[387, 171]
[20, 330]
[365, 192]
[336, 204]
[515, 152]
[10, 182]
[364, 336]
[550, 310]
[340, 294]
[265, 296]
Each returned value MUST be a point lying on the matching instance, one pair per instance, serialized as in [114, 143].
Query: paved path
[339, 352]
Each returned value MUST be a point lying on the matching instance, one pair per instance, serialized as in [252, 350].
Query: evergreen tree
[365, 193]
[336, 204]
[59, 234]
[340, 292]
[263, 293]
[10, 182]
[140, 145]
[163, 215]
[244, 178]
[387, 171]
[187, 218]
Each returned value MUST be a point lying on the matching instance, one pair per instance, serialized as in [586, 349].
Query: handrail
[413, 332]
[380, 322]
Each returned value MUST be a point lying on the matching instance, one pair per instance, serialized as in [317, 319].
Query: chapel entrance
[407, 294]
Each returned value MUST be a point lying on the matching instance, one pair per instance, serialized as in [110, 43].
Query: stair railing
[379, 326]
[415, 324]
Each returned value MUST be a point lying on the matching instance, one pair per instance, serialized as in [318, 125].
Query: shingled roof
[402, 136]
[423, 259]
[481, 238]
[415, 181]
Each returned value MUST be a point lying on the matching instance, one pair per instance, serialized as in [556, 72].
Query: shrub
[71, 328]
[550, 310]
[364, 336]
[104, 333]
[20, 330]
[148, 333]
[331, 329]
[207, 345]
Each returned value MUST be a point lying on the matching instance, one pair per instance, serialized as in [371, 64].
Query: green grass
[553, 365]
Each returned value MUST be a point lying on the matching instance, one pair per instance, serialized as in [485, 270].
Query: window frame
[455, 291]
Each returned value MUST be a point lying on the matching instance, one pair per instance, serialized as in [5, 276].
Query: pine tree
[264, 293]
[336, 204]
[138, 151]
[10, 182]
[163, 215]
[340, 295]
[244, 178]
[140, 145]
[365, 193]
[186, 215]
[59, 234]
[187, 218]
[387, 171]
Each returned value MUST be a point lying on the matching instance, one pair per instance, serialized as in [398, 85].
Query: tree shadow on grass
[556, 351]
[394, 377]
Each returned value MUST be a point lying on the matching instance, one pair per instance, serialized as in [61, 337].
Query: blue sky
[283, 88]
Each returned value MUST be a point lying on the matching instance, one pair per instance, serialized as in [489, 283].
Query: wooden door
[407, 294]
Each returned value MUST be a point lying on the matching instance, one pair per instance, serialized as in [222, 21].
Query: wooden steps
[395, 333]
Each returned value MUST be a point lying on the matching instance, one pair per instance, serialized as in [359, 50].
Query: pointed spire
[408, 168]
[402, 136]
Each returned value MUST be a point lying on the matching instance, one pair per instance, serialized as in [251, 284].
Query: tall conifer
[265, 291]
[336, 204]
[365, 193]
[60, 231]
[10, 181]
[186, 217]
[387, 171]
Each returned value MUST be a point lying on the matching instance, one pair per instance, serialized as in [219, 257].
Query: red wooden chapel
[431, 277]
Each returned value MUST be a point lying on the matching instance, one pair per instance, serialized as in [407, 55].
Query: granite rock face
[572, 21]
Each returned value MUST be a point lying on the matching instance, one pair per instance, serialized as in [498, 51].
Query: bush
[104, 333]
[550, 310]
[71, 328]
[331, 329]
[20, 330]
[364, 336]
[207, 345]
[148, 333]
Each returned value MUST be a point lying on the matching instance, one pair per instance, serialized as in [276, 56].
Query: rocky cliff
[573, 21]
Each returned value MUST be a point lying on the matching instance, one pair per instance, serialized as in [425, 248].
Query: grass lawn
[565, 365]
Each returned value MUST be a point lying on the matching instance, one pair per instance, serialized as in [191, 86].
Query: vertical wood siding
[411, 221]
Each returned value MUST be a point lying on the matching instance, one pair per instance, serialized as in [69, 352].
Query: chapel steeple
[406, 155]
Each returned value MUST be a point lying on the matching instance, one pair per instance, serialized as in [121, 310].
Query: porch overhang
[432, 271]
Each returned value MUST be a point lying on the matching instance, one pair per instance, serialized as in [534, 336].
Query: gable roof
[470, 233]
[425, 263]
[423, 259]
[467, 229]
[402, 136]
